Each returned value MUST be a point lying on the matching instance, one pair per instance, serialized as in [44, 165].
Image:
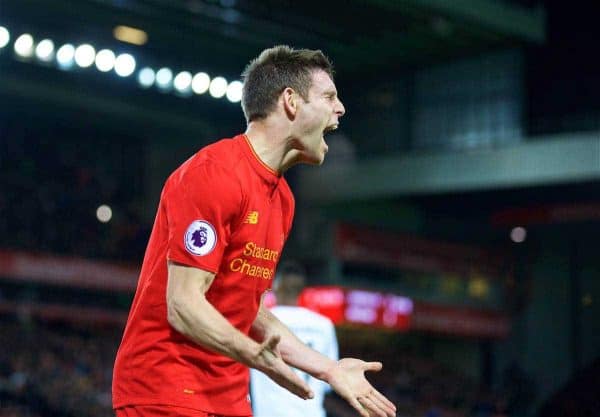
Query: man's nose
[340, 110]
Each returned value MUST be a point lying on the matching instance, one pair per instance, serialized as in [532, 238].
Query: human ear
[290, 102]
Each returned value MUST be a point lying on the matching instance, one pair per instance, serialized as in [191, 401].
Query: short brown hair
[273, 71]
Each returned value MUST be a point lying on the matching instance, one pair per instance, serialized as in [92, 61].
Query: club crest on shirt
[200, 238]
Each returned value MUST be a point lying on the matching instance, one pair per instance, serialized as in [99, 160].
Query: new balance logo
[252, 217]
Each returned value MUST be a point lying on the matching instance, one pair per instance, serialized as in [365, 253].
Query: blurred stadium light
[65, 56]
[24, 46]
[164, 78]
[124, 64]
[44, 51]
[218, 87]
[183, 82]
[85, 55]
[105, 60]
[200, 83]
[104, 213]
[518, 234]
[4, 36]
[146, 77]
[234, 91]
[130, 35]
[160, 32]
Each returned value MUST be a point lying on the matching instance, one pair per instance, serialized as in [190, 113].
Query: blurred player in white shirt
[315, 330]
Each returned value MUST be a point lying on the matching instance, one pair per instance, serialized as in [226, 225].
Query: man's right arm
[190, 313]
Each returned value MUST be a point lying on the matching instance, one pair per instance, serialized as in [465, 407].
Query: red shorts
[163, 411]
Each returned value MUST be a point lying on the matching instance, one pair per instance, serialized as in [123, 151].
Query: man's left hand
[347, 378]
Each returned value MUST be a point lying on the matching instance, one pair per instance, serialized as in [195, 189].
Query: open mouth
[330, 129]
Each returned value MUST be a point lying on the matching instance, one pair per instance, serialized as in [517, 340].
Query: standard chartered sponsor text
[253, 250]
[247, 267]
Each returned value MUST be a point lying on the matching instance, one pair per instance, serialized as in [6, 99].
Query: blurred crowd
[55, 370]
[422, 387]
[59, 370]
[51, 189]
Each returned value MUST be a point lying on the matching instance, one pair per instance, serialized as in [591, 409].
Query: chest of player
[257, 242]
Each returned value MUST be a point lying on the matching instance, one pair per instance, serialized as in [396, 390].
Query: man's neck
[272, 144]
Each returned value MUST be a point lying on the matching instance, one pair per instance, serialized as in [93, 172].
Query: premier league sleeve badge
[200, 238]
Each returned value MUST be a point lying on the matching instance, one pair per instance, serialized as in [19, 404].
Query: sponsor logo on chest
[252, 217]
[249, 263]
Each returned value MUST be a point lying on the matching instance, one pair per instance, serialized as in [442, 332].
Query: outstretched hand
[269, 361]
[347, 378]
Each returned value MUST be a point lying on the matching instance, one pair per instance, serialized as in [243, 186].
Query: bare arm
[292, 350]
[346, 376]
[190, 313]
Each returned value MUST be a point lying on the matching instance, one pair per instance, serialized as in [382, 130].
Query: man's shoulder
[225, 152]
[220, 158]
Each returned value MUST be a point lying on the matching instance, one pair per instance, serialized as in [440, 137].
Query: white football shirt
[271, 400]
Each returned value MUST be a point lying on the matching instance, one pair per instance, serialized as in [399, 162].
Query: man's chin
[315, 162]
[314, 159]
[321, 159]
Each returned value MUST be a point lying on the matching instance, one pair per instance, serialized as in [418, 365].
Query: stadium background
[457, 212]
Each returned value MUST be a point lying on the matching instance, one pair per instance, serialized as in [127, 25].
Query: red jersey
[222, 211]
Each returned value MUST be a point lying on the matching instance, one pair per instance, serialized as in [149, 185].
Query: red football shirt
[226, 212]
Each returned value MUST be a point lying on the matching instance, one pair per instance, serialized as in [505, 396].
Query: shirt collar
[266, 172]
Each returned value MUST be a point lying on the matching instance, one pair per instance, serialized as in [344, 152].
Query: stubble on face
[322, 99]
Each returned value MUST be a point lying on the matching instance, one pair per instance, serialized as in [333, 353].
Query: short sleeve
[203, 204]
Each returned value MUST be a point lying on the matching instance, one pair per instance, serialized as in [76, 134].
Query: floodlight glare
[218, 87]
[164, 76]
[105, 60]
[4, 36]
[44, 50]
[130, 35]
[65, 56]
[104, 213]
[24, 45]
[518, 234]
[146, 77]
[85, 55]
[200, 83]
[234, 91]
[183, 81]
[124, 65]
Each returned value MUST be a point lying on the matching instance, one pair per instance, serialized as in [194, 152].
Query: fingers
[358, 407]
[298, 388]
[386, 404]
[359, 393]
[274, 367]
[272, 342]
[291, 382]
[269, 346]
[383, 404]
[375, 406]
[373, 366]
[371, 407]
